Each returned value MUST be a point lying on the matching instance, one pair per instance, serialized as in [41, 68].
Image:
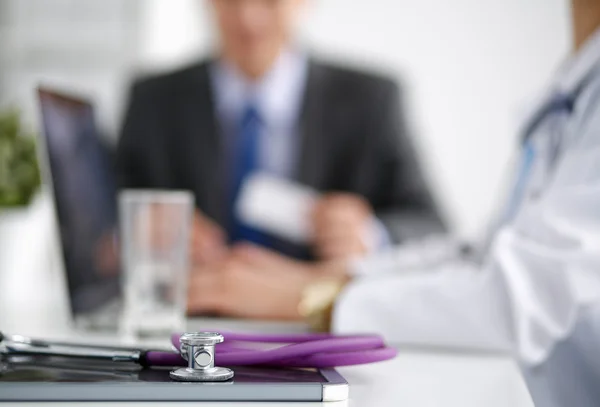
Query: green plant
[19, 170]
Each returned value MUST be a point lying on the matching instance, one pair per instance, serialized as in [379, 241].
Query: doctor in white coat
[536, 291]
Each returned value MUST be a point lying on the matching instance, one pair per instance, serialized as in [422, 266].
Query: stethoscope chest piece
[199, 350]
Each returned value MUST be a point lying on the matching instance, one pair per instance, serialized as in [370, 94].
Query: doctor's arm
[540, 272]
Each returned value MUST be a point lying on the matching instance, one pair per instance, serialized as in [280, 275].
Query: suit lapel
[311, 168]
[203, 145]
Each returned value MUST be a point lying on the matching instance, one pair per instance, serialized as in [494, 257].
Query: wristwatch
[318, 300]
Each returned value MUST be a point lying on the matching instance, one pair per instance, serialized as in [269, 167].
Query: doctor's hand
[251, 282]
[342, 225]
[208, 240]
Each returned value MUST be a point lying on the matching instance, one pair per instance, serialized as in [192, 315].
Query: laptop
[79, 170]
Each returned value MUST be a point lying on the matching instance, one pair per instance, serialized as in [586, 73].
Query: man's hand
[342, 226]
[250, 282]
[208, 240]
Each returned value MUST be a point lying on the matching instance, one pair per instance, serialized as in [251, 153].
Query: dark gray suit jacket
[352, 139]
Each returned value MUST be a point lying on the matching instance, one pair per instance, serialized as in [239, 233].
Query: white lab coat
[537, 291]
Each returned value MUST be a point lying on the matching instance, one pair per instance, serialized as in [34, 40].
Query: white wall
[468, 66]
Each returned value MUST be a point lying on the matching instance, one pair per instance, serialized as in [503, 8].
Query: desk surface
[32, 303]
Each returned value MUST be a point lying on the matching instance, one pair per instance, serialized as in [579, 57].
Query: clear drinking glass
[155, 229]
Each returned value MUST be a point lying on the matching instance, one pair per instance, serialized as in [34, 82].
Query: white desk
[415, 378]
[31, 303]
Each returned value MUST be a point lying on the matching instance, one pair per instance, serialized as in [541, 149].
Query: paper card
[278, 206]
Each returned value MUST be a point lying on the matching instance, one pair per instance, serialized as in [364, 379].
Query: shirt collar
[277, 94]
[575, 71]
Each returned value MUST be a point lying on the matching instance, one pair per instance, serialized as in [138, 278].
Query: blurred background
[468, 68]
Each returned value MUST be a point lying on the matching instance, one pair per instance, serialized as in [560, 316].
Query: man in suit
[264, 103]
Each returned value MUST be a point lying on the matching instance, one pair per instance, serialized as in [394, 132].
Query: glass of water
[155, 229]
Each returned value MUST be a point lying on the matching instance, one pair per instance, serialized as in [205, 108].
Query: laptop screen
[84, 188]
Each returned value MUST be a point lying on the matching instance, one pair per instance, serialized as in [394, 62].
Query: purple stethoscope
[199, 352]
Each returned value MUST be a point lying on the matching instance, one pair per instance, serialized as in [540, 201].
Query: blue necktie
[245, 161]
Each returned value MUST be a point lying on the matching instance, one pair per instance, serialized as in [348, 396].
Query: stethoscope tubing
[296, 350]
[308, 350]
